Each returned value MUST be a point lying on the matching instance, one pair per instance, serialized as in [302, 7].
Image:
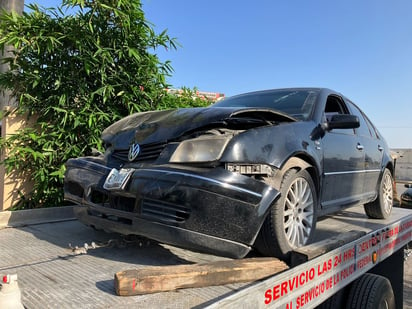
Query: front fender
[273, 145]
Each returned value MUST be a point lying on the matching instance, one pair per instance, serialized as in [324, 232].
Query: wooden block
[306, 253]
[155, 279]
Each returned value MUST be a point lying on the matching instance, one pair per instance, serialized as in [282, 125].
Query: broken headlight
[202, 149]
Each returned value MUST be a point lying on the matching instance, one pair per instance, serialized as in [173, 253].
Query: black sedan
[254, 170]
[406, 197]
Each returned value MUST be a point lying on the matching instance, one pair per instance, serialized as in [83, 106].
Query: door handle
[380, 148]
[359, 146]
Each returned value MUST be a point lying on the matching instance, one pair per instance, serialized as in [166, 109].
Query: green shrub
[78, 73]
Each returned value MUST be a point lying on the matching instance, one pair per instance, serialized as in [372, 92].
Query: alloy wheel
[298, 212]
[387, 193]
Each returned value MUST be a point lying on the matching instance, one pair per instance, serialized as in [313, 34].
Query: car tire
[381, 207]
[371, 291]
[291, 220]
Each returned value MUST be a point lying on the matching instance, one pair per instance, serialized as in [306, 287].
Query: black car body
[253, 170]
[406, 197]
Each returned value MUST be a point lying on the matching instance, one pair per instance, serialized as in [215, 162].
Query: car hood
[162, 126]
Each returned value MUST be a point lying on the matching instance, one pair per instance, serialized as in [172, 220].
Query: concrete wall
[14, 184]
[403, 168]
[9, 185]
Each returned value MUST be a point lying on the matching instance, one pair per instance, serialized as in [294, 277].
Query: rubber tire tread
[336, 301]
[368, 291]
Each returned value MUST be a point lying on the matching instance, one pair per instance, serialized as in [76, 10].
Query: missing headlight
[249, 169]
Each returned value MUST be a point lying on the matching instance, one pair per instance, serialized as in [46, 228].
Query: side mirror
[343, 121]
[338, 121]
[408, 185]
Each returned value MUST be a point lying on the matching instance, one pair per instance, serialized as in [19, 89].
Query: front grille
[113, 201]
[95, 213]
[148, 152]
[162, 211]
[74, 189]
[122, 203]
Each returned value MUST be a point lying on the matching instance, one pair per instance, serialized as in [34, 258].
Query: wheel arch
[390, 167]
[302, 161]
[389, 163]
[299, 162]
[272, 238]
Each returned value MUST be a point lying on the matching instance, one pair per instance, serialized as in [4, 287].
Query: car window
[372, 128]
[364, 129]
[335, 105]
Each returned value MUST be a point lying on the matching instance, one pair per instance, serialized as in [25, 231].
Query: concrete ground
[52, 275]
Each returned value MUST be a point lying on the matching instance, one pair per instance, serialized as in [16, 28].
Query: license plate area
[117, 179]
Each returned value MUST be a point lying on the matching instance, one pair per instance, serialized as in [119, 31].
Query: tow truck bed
[52, 275]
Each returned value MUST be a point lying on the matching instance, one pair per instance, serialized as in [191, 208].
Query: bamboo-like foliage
[78, 68]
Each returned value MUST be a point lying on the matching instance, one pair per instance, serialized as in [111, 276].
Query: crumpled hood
[157, 126]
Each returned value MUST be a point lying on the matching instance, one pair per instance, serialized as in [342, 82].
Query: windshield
[294, 102]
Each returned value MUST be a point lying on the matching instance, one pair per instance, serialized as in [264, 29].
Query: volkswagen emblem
[134, 151]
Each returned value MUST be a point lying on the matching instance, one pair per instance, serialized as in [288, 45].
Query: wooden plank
[155, 279]
[306, 253]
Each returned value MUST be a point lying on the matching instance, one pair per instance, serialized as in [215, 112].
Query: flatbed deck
[51, 275]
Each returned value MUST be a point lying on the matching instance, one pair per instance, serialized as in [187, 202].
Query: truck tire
[292, 218]
[371, 291]
[381, 208]
[336, 301]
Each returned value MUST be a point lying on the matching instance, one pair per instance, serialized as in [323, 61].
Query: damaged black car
[253, 171]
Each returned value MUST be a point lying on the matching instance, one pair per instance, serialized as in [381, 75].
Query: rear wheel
[337, 301]
[291, 221]
[381, 208]
[371, 291]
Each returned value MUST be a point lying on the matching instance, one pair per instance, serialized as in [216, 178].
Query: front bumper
[209, 210]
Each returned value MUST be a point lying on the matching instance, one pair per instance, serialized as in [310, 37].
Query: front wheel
[381, 208]
[291, 221]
